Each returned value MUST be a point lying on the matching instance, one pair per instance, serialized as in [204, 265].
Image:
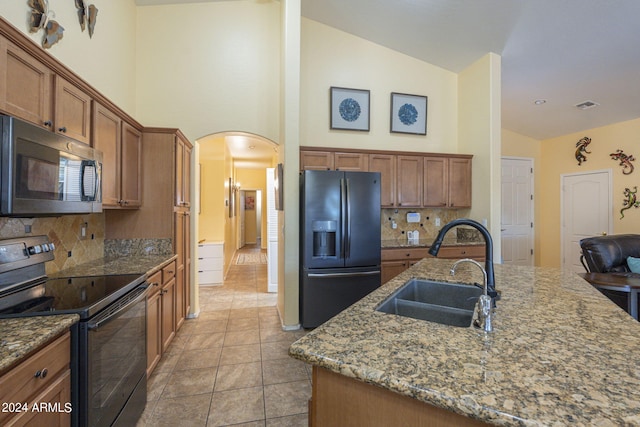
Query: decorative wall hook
[625, 161]
[581, 149]
[631, 200]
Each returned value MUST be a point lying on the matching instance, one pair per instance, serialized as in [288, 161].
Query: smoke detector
[586, 105]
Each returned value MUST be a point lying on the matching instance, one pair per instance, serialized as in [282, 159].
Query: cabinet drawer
[474, 251]
[35, 374]
[155, 283]
[404, 253]
[210, 276]
[210, 251]
[169, 272]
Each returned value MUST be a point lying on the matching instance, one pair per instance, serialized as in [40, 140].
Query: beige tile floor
[230, 365]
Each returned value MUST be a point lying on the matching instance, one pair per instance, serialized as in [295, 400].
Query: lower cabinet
[161, 314]
[41, 381]
[397, 260]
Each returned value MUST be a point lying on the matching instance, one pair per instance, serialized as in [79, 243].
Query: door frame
[532, 205]
[563, 234]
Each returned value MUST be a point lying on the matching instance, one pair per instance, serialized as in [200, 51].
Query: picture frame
[350, 109]
[408, 113]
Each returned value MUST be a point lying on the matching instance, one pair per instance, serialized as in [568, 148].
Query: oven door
[115, 363]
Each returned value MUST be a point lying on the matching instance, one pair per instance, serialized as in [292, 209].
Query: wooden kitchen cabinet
[72, 111]
[183, 265]
[121, 146]
[436, 182]
[351, 161]
[409, 181]
[25, 85]
[386, 165]
[459, 182]
[316, 160]
[183, 172]
[396, 260]
[43, 378]
[161, 309]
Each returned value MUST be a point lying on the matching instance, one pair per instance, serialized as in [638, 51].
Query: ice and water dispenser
[324, 238]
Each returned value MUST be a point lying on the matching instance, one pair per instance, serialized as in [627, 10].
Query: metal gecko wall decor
[581, 149]
[625, 161]
[631, 200]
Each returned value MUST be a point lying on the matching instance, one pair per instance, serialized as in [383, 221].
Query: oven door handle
[119, 307]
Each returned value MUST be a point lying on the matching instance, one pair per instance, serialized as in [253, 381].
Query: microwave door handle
[83, 195]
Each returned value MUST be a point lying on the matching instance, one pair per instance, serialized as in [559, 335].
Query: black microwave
[44, 173]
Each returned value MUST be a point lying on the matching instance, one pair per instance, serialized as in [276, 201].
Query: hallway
[230, 365]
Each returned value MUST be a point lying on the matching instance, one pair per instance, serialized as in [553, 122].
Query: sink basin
[447, 303]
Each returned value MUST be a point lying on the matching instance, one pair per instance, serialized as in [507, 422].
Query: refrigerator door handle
[362, 273]
[347, 241]
[343, 218]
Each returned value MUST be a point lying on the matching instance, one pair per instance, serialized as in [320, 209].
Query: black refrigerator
[339, 241]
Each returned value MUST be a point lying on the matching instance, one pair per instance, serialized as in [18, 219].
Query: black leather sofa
[608, 254]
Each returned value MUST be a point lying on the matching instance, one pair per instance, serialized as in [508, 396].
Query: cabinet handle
[155, 284]
[62, 129]
[41, 374]
[164, 291]
[48, 123]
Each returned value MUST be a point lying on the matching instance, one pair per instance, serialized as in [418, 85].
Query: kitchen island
[561, 353]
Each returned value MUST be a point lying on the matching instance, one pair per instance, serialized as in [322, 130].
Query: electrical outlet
[437, 222]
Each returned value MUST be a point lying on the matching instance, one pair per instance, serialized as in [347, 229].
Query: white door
[272, 233]
[517, 211]
[586, 212]
[241, 219]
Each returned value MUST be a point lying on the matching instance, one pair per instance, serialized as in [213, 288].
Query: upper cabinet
[26, 85]
[183, 171]
[408, 180]
[72, 111]
[31, 91]
[121, 146]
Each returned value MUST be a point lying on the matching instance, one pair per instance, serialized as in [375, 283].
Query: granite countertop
[20, 336]
[561, 353]
[425, 243]
[133, 264]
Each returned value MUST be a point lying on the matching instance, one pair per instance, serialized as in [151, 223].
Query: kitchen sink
[441, 302]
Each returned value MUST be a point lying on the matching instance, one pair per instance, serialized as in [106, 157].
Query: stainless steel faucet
[484, 305]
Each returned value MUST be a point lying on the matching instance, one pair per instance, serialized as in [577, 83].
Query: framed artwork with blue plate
[408, 113]
[349, 109]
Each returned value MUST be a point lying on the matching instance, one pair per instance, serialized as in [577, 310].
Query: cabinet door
[25, 86]
[187, 264]
[386, 165]
[130, 164]
[72, 111]
[154, 331]
[183, 265]
[183, 173]
[106, 138]
[351, 161]
[168, 313]
[391, 269]
[409, 175]
[316, 160]
[436, 182]
[459, 183]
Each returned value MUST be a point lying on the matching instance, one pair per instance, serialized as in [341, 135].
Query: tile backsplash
[66, 233]
[426, 226]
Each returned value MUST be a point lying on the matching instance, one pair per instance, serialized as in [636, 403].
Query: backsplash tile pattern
[426, 226]
[65, 232]
[140, 247]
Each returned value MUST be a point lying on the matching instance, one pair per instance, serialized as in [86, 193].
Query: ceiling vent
[586, 105]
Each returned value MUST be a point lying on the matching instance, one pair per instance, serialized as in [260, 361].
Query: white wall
[334, 58]
[210, 67]
[107, 61]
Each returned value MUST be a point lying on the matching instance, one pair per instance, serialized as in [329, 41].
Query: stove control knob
[52, 246]
[45, 247]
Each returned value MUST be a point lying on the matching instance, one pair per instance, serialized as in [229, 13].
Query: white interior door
[517, 211]
[586, 212]
[241, 219]
[272, 233]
